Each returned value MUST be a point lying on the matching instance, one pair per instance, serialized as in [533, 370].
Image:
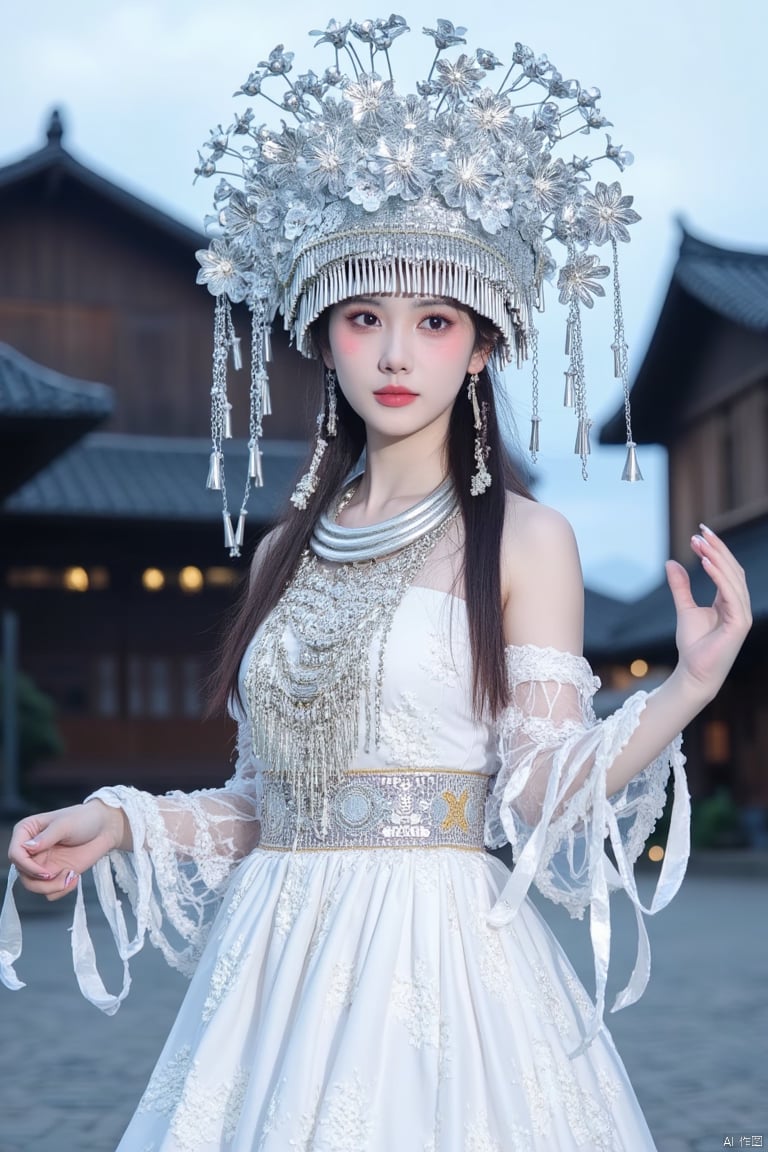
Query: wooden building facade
[702, 392]
[112, 556]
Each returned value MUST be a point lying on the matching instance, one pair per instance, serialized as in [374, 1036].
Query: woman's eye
[436, 323]
[365, 319]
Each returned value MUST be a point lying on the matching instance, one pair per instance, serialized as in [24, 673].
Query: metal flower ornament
[469, 186]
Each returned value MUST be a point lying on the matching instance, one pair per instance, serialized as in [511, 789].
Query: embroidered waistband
[385, 808]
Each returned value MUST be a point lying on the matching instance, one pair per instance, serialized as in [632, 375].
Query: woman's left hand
[709, 638]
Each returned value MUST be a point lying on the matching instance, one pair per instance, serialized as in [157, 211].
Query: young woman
[407, 676]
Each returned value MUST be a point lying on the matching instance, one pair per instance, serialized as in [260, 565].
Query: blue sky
[140, 83]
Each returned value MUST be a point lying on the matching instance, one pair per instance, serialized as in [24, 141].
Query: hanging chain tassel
[533, 443]
[569, 396]
[481, 479]
[237, 353]
[240, 530]
[307, 486]
[582, 446]
[229, 536]
[331, 381]
[631, 471]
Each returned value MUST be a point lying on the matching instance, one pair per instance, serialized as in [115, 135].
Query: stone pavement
[696, 1047]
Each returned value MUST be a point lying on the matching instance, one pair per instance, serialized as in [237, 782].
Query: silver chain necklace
[333, 542]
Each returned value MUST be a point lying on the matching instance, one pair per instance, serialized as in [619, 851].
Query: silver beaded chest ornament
[320, 657]
[453, 191]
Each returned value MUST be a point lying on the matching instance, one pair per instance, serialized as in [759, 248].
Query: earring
[481, 480]
[327, 416]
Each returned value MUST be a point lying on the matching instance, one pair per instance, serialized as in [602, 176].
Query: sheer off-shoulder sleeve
[185, 848]
[553, 802]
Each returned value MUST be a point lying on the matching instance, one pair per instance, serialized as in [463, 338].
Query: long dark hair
[483, 521]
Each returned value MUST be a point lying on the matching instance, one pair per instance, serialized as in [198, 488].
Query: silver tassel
[237, 355]
[267, 342]
[569, 398]
[227, 433]
[582, 447]
[240, 530]
[568, 337]
[533, 446]
[214, 472]
[266, 399]
[254, 466]
[229, 536]
[631, 471]
[617, 360]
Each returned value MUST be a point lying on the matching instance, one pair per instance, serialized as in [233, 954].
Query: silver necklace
[333, 542]
[318, 669]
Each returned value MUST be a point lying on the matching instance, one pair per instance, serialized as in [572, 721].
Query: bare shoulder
[542, 586]
[533, 533]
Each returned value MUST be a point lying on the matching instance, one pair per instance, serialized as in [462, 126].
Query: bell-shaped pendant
[254, 466]
[266, 399]
[240, 530]
[569, 396]
[227, 434]
[533, 446]
[568, 337]
[631, 471]
[229, 536]
[214, 472]
[237, 354]
[582, 447]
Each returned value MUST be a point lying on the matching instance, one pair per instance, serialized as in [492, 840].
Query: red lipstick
[394, 397]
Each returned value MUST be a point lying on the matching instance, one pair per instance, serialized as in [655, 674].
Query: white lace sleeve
[551, 802]
[185, 847]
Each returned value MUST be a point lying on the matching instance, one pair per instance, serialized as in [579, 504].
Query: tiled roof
[731, 284]
[28, 390]
[107, 475]
[54, 162]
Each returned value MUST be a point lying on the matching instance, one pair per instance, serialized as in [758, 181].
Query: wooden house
[702, 392]
[112, 557]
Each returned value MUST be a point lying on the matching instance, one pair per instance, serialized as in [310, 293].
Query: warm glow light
[656, 853]
[153, 579]
[76, 579]
[221, 577]
[190, 579]
[639, 668]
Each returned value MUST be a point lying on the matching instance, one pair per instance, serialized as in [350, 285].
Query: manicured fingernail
[70, 877]
[31, 843]
[698, 539]
[707, 530]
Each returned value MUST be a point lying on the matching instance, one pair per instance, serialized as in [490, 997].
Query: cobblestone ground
[696, 1047]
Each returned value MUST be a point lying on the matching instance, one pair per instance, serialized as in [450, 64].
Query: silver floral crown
[450, 191]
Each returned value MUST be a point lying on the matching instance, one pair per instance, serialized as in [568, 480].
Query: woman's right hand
[51, 850]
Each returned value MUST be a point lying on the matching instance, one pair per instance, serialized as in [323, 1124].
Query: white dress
[373, 999]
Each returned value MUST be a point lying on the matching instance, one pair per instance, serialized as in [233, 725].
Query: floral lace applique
[438, 662]
[224, 975]
[492, 962]
[416, 1004]
[270, 1121]
[341, 987]
[547, 1002]
[292, 896]
[200, 1113]
[554, 1090]
[479, 1138]
[407, 732]
[239, 893]
[345, 1123]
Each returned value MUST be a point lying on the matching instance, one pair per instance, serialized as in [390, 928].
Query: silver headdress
[453, 190]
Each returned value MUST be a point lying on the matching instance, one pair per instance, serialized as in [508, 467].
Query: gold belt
[381, 808]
